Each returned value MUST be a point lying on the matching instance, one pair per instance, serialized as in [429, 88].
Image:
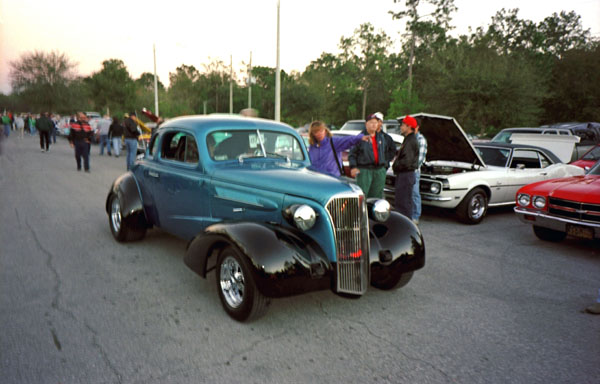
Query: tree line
[514, 72]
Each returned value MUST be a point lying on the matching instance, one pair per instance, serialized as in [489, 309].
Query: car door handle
[544, 173]
[153, 174]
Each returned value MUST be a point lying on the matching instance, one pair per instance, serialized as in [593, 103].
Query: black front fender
[126, 188]
[397, 247]
[285, 261]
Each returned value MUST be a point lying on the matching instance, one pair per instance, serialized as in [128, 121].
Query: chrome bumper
[546, 220]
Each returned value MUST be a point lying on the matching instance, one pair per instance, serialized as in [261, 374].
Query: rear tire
[547, 234]
[237, 290]
[396, 282]
[473, 207]
[131, 228]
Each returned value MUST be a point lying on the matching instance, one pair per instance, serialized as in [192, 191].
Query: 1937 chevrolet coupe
[240, 191]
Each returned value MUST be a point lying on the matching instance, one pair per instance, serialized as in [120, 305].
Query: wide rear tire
[237, 290]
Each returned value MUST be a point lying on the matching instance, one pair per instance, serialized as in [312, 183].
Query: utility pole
[278, 76]
[250, 82]
[231, 84]
[155, 83]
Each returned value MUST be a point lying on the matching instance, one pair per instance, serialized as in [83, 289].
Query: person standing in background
[44, 126]
[103, 127]
[416, 195]
[368, 162]
[115, 132]
[20, 124]
[80, 138]
[404, 167]
[325, 150]
[131, 139]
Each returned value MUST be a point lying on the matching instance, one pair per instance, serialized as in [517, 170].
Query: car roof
[510, 146]
[202, 122]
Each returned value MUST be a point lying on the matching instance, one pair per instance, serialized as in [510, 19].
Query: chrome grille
[574, 210]
[350, 224]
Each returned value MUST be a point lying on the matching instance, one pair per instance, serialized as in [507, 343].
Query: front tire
[239, 295]
[547, 234]
[124, 229]
[394, 282]
[473, 207]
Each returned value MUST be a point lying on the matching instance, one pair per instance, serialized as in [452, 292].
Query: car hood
[446, 140]
[282, 178]
[577, 188]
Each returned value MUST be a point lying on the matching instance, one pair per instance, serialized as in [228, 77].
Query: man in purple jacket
[325, 150]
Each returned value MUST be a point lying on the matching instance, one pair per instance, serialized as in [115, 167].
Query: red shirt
[375, 153]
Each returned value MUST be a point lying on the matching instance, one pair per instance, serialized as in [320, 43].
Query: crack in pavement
[56, 305]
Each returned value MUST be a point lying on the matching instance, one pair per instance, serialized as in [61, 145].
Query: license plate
[581, 232]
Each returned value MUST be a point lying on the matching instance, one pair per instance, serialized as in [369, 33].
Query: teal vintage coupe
[241, 191]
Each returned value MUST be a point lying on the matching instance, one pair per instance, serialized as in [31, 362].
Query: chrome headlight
[304, 216]
[539, 202]
[434, 188]
[381, 210]
[523, 199]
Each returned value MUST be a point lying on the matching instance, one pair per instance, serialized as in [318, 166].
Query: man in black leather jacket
[405, 165]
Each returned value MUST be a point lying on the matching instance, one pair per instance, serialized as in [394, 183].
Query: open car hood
[446, 140]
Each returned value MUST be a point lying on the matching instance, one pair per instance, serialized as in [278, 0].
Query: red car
[589, 158]
[560, 207]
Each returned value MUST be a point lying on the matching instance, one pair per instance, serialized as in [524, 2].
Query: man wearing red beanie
[404, 167]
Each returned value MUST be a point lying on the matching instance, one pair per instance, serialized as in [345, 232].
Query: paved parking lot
[493, 304]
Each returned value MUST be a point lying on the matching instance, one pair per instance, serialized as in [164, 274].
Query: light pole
[250, 82]
[231, 84]
[278, 76]
[155, 83]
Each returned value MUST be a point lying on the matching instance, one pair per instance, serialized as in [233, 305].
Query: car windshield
[502, 137]
[236, 144]
[494, 156]
[595, 169]
[353, 126]
[594, 154]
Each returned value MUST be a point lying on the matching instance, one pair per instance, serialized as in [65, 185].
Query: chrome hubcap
[115, 214]
[232, 282]
[477, 207]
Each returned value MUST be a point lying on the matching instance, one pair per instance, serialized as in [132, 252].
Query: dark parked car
[240, 191]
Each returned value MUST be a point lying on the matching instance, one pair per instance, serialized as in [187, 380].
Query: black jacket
[407, 159]
[362, 156]
[131, 131]
[115, 130]
[80, 130]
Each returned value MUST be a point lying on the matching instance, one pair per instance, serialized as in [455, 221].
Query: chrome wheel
[115, 214]
[232, 282]
[477, 207]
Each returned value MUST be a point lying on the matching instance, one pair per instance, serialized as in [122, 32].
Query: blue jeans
[131, 145]
[82, 150]
[416, 197]
[6, 130]
[116, 142]
[104, 142]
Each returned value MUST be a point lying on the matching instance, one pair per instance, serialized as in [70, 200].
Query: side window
[152, 147]
[179, 146]
[545, 160]
[525, 158]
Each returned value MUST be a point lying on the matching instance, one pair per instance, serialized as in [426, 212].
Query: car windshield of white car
[497, 157]
[236, 144]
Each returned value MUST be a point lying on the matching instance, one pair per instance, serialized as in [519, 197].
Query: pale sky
[191, 32]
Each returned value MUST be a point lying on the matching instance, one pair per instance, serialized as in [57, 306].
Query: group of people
[81, 134]
[44, 125]
[371, 153]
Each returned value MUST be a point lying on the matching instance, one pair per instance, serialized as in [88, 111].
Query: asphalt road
[493, 304]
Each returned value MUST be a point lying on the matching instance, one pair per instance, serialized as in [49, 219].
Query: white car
[470, 178]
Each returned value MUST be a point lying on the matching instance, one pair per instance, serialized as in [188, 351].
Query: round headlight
[381, 210]
[523, 199]
[539, 202]
[434, 188]
[304, 217]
